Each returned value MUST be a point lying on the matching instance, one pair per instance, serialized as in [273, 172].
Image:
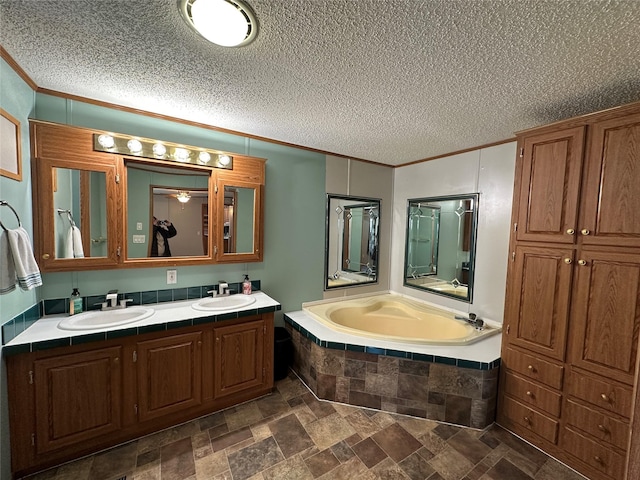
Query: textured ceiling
[390, 81]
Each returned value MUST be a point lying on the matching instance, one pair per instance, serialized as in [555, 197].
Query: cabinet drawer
[534, 368]
[602, 393]
[533, 394]
[603, 427]
[593, 453]
[537, 423]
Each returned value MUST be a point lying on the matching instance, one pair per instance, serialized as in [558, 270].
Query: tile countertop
[44, 333]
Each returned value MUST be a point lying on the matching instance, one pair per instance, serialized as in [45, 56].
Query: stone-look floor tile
[321, 463]
[471, 448]
[505, 470]
[304, 414]
[478, 471]
[450, 464]
[210, 421]
[416, 467]
[79, 469]
[261, 431]
[433, 442]
[151, 474]
[201, 445]
[397, 442]
[525, 464]
[292, 468]
[369, 452]
[244, 415]
[446, 431]
[345, 410]
[148, 460]
[416, 426]
[290, 435]
[319, 409]
[224, 441]
[226, 476]
[496, 454]
[383, 419]
[554, 470]
[176, 460]
[342, 451]
[239, 446]
[329, 430]
[362, 423]
[350, 470]
[272, 404]
[212, 465]
[254, 459]
[389, 470]
[218, 431]
[118, 460]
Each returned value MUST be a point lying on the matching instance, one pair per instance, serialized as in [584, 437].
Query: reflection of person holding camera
[162, 231]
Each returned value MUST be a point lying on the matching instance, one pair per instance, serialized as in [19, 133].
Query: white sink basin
[97, 319]
[217, 304]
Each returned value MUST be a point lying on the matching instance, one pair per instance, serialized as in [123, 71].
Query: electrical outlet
[172, 277]
[139, 238]
[139, 226]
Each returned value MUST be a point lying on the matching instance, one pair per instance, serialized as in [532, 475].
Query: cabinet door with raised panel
[605, 314]
[537, 308]
[548, 200]
[239, 358]
[611, 200]
[78, 397]
[169, 375]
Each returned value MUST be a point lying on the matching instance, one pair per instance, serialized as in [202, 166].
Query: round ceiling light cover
[228, 23]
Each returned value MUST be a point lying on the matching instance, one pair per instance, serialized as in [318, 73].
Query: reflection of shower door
[205, 228]
[229, 220]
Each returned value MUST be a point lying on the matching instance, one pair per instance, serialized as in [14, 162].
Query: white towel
[27, 273]
[73, 246]
[7, 269]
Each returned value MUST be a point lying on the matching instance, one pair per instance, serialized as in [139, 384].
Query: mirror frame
[473, 233]
[329, 231]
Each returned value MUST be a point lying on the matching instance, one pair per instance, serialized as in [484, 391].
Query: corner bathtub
[396, 318]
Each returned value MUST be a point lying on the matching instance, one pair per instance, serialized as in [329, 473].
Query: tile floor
[290, 435]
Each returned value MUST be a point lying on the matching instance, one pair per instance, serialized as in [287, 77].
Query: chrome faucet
[111, 302]
[473, 320]
[223, 290]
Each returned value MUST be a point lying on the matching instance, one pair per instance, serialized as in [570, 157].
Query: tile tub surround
[45, 334]
[443, 388]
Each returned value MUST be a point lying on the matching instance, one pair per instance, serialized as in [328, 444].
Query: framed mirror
[351, 245]
[440, 245]
[167, 211]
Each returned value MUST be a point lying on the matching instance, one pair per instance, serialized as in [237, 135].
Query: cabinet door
[611, 201]
[239, 358]
[169, 375]
[78, 397]
[550, 186]
[537, 307]
[606, 314]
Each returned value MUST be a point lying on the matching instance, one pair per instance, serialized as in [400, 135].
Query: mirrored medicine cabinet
[101, 209]
[440, 245]
[352, 241]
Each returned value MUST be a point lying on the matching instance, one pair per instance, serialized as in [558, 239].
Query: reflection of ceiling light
[224, 159]
[183, 197]
[181, 154]
[159, 149]
[107, 141]
[134, 145]
[204, 157]
[228, 23]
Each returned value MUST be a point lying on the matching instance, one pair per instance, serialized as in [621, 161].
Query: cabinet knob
[605, 397]
[598, 459]
[570, 231]
[585, 231]
[116, 360]
[527, 420]
[529, 394]
[217, 339]
[582, 262]
[568, 261]
[46, 256]
[603, 429]
[531, 368]
[199, 343]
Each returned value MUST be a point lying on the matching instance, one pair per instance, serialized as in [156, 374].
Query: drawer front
[534, 368]
[593, 453]
[603, 427]
[598, 391]
[532, 394]
[537, 423]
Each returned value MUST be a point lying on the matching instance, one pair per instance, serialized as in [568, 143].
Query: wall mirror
[440, 245]
[351, 245]
[167, 212]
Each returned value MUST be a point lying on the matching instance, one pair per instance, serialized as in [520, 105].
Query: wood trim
[16, 68]
[458, 152]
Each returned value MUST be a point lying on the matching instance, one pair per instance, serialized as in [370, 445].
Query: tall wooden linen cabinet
[572, 314]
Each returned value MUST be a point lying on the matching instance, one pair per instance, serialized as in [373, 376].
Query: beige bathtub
[396, 318]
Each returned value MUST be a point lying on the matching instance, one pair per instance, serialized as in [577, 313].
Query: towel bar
[4, 203]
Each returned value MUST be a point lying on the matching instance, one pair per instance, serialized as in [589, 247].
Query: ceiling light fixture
[183, 197]
[228, 23]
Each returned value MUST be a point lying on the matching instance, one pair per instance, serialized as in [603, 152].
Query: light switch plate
[139, 226]
[172, 277]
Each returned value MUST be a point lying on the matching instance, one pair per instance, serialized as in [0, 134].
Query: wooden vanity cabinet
[571, 331]
[73, 401]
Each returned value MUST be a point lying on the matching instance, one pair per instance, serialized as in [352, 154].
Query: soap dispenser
[246, 285]
[75, 302]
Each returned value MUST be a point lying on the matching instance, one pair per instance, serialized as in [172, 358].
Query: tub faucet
[473, 320]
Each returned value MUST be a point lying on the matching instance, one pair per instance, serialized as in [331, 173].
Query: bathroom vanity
[103, 388]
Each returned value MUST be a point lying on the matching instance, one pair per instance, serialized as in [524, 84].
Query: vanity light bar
[156, 149]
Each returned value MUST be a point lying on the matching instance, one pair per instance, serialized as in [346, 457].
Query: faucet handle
[124, 301]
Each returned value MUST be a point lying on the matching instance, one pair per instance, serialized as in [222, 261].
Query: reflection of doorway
[229, 219]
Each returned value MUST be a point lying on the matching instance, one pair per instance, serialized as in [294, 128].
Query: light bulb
[106, 141]
[181, 154]
[204, 157]
[134, 146]
[159, 149]
[224, 159]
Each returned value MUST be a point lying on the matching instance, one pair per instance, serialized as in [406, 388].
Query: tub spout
[473, 320]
